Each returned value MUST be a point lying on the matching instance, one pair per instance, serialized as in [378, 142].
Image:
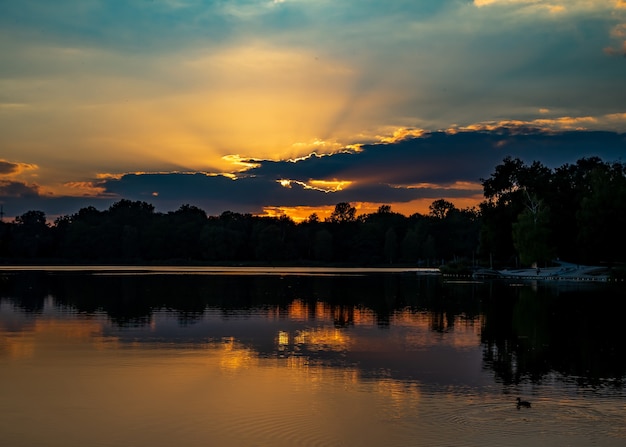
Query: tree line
[529, 214]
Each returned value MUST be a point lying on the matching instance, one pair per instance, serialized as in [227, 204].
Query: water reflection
[575, 331]
[524, 332]
[307, 360]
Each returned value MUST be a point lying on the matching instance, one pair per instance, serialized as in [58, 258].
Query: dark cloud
[252, 194]
[6, 167]
[446, 158]
[17, 189]
[16, 198]
[406, 170]
[380, 173]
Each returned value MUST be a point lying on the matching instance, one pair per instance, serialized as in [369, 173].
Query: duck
[522, 403]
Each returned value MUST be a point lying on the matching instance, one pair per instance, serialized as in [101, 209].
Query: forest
[530, 214]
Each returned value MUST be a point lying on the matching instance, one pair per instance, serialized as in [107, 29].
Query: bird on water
[522, 403]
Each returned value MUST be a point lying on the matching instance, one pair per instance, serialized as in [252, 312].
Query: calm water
[247, 358]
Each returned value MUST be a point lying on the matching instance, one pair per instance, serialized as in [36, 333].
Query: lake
[306, 357]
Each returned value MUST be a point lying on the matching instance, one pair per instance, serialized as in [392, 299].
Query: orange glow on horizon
[419, 206]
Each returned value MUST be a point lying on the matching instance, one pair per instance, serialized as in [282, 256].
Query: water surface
[317, 358]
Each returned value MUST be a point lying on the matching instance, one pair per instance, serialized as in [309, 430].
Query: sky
[277, 107]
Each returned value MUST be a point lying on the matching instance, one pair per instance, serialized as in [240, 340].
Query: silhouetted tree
[409, 248]
[576, 212]
[343, 212]
[32, 235]
[391, 245]
[531, 234]
[323, 247]
[601, 217]
[440, 208]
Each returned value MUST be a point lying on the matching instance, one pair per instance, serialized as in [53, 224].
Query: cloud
[200, 96]
[618, 34]
[11, 189]
[428, 166]
[8, 168]
[259, 78]
[422, 166]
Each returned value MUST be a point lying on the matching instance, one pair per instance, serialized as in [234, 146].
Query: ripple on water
[272, 428]
[242, 427]
[492, 422]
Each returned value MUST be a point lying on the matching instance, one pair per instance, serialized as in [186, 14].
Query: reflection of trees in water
[26, 291]
[527, 332]
[134, 297]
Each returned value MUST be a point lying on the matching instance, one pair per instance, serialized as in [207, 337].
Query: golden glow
[323, 339]
[234, 356]
[247, 99]
[32, 339]
[556, 9]
[401, 134]
[299, 213]
[317, 148]
[283, 339]
[546, 124]
[417, 206]
[242, 163]
[329, 185]
[421, 206]
[276, 212]
[567, 122]
[81, 189]
[319, 185]
[459, 185]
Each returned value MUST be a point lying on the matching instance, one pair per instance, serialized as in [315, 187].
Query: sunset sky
[292, 106]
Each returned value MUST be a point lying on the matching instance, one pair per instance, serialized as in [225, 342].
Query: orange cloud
[81, 189]
[545, 124]
[401, 134]
[13, 169]
[458, 185]
[319, 185]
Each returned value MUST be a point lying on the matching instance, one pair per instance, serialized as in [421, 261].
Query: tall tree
[505, 193]
[531, 234]
[602, 214]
